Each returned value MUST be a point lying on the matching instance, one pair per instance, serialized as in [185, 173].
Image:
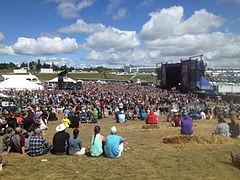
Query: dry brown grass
[147, 157]
[182, 139]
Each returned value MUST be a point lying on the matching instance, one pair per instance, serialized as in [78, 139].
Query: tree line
[37, 65]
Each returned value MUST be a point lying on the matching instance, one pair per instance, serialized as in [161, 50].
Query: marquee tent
[65, 79]
[204, 84]
[3, 95]
[19, 84]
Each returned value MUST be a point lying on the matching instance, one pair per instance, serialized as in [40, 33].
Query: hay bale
[183, 139]
[151, 126]
[235, 160]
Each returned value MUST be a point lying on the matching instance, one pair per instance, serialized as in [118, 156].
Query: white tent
[65, 79]
[3, 95]
[19, 84]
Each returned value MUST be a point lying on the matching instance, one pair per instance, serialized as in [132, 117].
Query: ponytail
[96, 131]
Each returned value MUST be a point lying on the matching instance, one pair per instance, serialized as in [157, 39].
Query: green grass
[148, 157]
[75, 76]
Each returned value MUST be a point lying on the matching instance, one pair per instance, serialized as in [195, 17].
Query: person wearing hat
[114, 144]
[60, 140]
[17, 142]
[38, 145]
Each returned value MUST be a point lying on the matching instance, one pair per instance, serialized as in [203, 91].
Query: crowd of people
[24, 120]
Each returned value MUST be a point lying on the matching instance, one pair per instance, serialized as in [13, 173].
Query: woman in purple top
[186, 125]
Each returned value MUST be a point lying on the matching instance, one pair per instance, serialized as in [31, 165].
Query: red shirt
[152, 118]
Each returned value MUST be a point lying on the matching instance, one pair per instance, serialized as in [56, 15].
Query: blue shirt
[112, 145]
[74, 145]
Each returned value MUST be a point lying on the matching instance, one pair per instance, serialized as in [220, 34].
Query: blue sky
[118, 32]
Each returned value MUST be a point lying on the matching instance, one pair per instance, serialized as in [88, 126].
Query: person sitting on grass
[94, 115]
[234, 126]
[114, 144]
[66, 121]
[74, 121]
[60, 140]
[143, 115]
[7, 138]
[186, 125]
[38, 145]
[176, 120]
[17, 142]
[121, 117]
[97, 143]
[152, 117]
[75, 144]
[222, 127]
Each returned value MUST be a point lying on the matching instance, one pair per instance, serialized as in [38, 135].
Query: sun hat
[113, 130]
[37, 130]
[60, 127]
[18, 129]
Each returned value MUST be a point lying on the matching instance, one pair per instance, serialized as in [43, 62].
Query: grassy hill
[75, 76]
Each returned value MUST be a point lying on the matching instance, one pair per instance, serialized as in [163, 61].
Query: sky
[120, 32]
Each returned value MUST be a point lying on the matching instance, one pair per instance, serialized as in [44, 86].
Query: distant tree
[12, 66]
[39, 65]
[23, 65]
[63, 67]
[32, 65]
[54, 67]
[46, 65]
[8, 65]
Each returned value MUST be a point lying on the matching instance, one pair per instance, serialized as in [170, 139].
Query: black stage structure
[183, 75]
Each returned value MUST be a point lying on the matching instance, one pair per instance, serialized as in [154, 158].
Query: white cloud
[5, 50]
[57, 61]
[133, 56]
[170, 22]
[71, 8]
[111, 38]
[173, 36]
[44, 46]
[121, 13]
[81, 27]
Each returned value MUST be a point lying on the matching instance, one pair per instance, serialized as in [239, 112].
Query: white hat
[113, 130]
[60, 127]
